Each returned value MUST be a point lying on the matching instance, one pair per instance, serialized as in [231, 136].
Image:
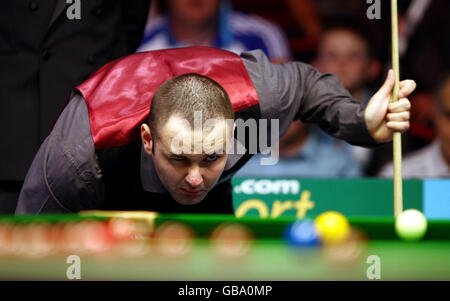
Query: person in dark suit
[44, 52]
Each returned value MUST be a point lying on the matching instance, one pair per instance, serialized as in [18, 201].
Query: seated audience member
[213, 23]
[433, 161]
[307, 152]
[346, 51]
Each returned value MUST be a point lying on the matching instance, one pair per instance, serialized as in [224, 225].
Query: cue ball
[302, 234]
[333, 227]
[411, 225]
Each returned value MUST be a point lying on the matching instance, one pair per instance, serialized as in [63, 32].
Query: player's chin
[190, 199]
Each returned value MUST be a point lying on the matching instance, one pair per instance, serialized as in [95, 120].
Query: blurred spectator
[424, 48]
[345, 50]
[213, 23]
[433, 161]
[376, 30]
[423, 32]
[307, 152]
[43, 55]
[424, 40]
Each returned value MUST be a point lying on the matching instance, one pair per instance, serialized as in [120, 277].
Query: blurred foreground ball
[333, 227]
[95, 237]
[347, 251]
[5, 239]
[302, 234]
[231, 241]
[411, 225]
[39, 241]
[174, 239]
[89, 236]
[124, 229]
[131, 236]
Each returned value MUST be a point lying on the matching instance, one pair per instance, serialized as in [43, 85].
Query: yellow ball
[333, 227]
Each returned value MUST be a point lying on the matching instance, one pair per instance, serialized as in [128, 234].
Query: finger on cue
[397, 139]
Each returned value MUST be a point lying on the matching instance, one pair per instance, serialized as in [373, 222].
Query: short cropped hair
[183, 95]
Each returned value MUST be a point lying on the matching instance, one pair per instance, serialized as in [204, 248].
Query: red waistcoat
[119, 94]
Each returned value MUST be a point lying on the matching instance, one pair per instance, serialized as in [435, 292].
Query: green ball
[411, 225]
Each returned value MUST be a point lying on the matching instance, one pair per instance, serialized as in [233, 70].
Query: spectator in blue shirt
[214, 23]
[306, 152]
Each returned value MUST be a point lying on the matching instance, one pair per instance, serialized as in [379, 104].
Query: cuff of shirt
[360, 134]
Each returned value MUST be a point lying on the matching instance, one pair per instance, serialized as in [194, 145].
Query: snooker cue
[397, 138]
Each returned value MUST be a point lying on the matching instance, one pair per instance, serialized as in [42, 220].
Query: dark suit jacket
[43, 55]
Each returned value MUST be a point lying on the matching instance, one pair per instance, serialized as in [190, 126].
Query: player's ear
[146, 136]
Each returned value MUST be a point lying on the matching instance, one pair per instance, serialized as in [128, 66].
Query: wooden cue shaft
[397, 138]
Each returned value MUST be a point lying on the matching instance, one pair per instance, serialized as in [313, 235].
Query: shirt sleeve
[296, 90]
[35, 196]
[65, 174]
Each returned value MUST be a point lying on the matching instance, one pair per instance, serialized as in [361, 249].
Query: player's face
[190, 162]
[443, 120]
[345, 55]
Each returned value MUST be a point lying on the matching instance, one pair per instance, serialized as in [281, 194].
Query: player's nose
[194, 177]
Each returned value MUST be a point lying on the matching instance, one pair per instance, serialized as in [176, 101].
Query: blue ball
[302, 233]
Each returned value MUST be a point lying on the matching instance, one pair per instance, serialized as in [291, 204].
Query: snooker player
[114, 146]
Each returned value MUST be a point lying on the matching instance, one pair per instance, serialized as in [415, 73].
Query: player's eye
[211, 158]
[178, 159]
